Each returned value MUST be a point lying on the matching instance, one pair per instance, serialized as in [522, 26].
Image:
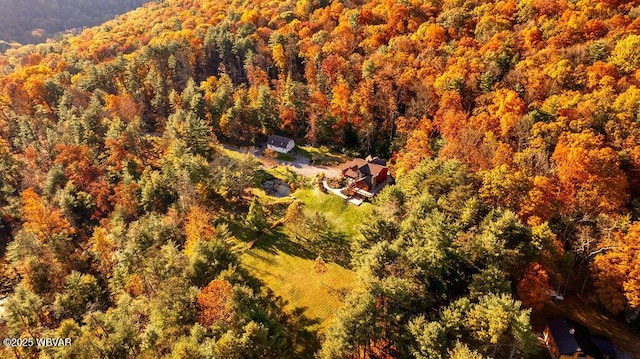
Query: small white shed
[280, 144]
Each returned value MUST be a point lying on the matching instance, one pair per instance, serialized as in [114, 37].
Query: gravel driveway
[301, 165]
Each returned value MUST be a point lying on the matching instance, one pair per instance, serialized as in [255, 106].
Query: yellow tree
[198, 228]
[502, 186]
[102, 248]
[616, 269]
[42, 222]
[625, 55]
[508, 108]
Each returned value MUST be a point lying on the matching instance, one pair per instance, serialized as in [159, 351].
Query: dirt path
[308, 170]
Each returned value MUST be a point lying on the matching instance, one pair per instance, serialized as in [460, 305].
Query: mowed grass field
[343, 216]
[321, 155]
[290, 270]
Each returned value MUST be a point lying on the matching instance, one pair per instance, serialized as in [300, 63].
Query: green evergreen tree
[81, 293]
[256, 218]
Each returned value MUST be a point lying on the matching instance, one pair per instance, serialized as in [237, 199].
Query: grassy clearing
[321, 156]
[286, 157]
[231, 153]
[283, 172]
[288, 270]
[344, 216]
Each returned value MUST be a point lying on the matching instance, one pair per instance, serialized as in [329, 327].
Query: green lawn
[287, 268]
[321, 155]
[282, 172]
[344, 216]
[286, 157]
[289, 271]
[230, 153]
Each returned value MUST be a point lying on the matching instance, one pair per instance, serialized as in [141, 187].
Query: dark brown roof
[356, 162]
[278, 141]
[350, 173]
[370, 166]
[366, 180]
[372, 169]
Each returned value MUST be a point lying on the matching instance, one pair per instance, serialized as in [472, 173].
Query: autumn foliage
[214, 303]
[534, 288]
[197, 228]
[41, 221]
[617, 270]
[589, 174]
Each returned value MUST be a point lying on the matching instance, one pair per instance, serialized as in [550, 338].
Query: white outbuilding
[280, 144]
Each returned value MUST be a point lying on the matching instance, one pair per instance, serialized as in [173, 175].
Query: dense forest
[32, 21]
[512, 128]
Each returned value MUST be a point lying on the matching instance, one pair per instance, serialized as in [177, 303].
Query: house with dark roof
[366, 176]
[280, 144]
[566, 338]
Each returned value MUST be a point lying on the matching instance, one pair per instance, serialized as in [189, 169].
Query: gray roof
[566, 342]
[622, 355]
[278, 141]
[571, 337]
[605, 345]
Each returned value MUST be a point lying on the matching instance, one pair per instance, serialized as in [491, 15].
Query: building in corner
[280, 144]
[568, 339]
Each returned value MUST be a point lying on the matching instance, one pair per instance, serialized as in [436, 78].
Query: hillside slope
[32, 21]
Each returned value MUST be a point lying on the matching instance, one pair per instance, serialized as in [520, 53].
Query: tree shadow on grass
[271, 242]
[304, 339]
[292, 325]
[268, 258]
[277, 240]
